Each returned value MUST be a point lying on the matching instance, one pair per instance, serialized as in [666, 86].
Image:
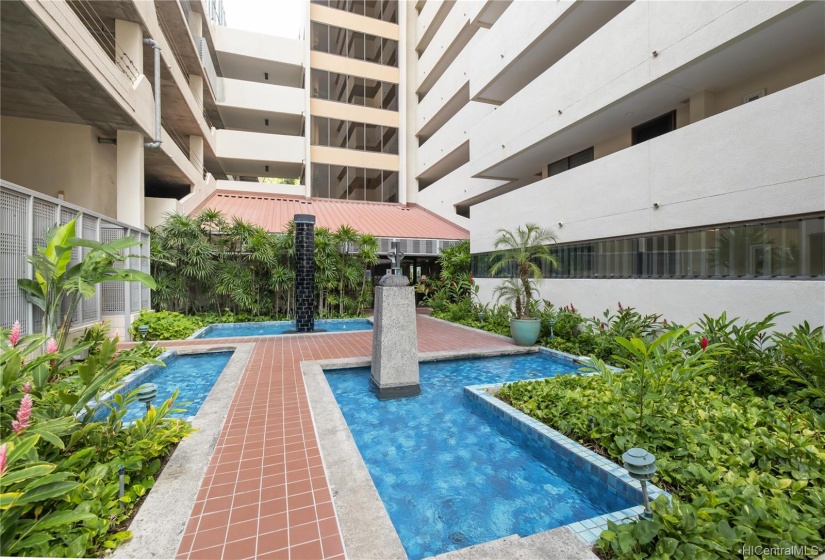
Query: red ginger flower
[704, 343]
[23, 415]
[16, 333]
[27, 387]
[51, 346]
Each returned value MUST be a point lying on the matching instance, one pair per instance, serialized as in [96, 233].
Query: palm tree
[347, 238]
[368, 256]
[519, 252]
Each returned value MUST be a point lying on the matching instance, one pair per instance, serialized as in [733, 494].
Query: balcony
[257, 107]
[594, 94]
[760, 160]
[254, 154]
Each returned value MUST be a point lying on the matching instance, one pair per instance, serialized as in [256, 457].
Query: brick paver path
[265, 493]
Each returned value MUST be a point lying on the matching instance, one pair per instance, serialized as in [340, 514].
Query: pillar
[196, 87]
[130, 178]
[304, 273]
[196, 153]
[129, 37]
[702, 105]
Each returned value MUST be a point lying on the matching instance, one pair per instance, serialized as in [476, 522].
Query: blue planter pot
[525, 332]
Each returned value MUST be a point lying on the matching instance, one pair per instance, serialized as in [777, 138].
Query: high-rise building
[675, 148]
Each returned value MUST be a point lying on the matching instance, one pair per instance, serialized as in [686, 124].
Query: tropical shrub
[207, 264]
[57, 288]
[58, 468]
[165, 325]
[745, 470]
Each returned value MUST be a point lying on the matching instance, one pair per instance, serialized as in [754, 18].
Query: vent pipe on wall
[157, 141]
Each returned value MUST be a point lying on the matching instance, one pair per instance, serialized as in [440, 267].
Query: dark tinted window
[656, 127]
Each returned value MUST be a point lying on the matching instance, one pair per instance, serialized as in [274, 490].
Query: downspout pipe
[157, 141]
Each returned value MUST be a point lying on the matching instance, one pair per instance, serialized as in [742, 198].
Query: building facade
[676, 148]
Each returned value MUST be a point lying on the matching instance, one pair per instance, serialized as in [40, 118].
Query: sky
[275, 17]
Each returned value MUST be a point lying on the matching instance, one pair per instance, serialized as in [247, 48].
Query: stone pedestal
[394, 340]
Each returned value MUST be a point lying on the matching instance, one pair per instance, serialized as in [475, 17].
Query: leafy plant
[520, 253]
[57, 286]
[165, 325]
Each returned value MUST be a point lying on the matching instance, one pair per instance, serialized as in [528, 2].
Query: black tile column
[304, 273]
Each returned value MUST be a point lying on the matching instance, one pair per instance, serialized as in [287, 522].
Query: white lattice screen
[26, 218]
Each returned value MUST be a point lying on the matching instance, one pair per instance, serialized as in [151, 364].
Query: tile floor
[265, 493]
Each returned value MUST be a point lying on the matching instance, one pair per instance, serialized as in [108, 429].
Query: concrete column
[196, 87]
[196, 152]
[195, 21]
[702, 105]
[130, 177]
[129, 37]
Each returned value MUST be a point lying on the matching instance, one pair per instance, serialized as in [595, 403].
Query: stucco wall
[684, 301]
[50, 157]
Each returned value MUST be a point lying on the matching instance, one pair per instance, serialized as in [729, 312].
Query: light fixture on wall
[266, 75]
[655, 205]
[266, 122]
[561, 224]
[266, 168]
[101, 140]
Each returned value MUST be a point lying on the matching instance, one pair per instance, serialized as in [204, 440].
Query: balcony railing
[209, 66]
[26, 217]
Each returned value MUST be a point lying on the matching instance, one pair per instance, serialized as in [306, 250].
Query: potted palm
[521, 253]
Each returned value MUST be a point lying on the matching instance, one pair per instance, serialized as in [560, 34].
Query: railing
[209, 66]
[216, 11]
[26, 217]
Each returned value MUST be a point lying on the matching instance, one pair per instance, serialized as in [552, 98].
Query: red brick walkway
[265, 493]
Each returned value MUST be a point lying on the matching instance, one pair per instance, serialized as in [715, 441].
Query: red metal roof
[273, 211]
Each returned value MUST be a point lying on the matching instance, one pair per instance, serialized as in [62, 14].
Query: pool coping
[158, 527]
[363, 521]
[615, 476]
[200, 331]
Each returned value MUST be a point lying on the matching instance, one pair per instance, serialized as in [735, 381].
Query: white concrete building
[676, 148]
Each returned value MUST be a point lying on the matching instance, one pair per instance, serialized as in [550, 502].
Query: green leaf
[31, 542]
[28, 472]
[47, 491]
[7, 499]
[21, 449]
[62, 518]
[11, 369]
[645, 530]
[40, 375]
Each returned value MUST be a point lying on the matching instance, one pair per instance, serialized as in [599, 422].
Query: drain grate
[458, 537]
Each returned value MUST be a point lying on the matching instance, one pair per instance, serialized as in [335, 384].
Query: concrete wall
[760, 160]
[50, 157]
[684, 301]
[593, 77]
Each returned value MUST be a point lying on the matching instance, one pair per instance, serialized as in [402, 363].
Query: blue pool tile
[454, 471]
[233, 330]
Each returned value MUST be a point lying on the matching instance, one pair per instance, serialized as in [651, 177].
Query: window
[355, 136]
[651, 129]
[320, 131]
[338, 133]
[389, 99]
[320, 37]
[777, 249]
[577, 159]
[372, 137]
[353, 44]
[377, 9]
[354, 183]
[320, 84]
[372, 93]
[390, 140]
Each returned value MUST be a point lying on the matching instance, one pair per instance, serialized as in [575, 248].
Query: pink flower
[27, 387]
[620, 306]
[602, 326]
[51, 346]
[2, 459]
[704, 343]
[665, 321]
[117, 333]
[16, 333]
[23, 415]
